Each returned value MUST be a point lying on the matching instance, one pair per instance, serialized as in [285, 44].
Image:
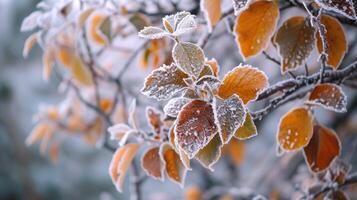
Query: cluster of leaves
[203, 113]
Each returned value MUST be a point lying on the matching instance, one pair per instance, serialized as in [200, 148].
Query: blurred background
[82, 170]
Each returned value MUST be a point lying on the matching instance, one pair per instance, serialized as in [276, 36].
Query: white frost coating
[174, 106]
[239, 5]
[132, 114]
[212, 81]
[153, 33]
[187, 24]
[164, 82]
[343, 7]
[117, 131]
[189, 57]
[231, 115]
[31, 21]
[329, 100]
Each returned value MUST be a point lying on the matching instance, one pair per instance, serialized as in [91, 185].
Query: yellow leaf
[255, 26]
[336, 41]
[244, 81]
[247, 130]
[210, 154]
[120, 163]
[295, 129]
[212, 11]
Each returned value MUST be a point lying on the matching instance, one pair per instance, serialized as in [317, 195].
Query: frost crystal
[164, 82]
[344, 7]
[189, 57]
[231, 115]
[187, 24]
[195, 127]
[238, 5]
[152, 33]
[174, 106]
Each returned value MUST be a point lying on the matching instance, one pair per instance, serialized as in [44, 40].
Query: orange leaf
[294, 40]
[255, 26]
[212, 11]
[295, 129]
[38, 132]
[195, 127]
[323, 148]
[214, 66]
[48, 59]
[152, 163]
[175, 169]
[120, 163]
[244, 81]
[336, 41]
[236, 151]
[329, 96]
[154, 118]
[95, 34]
[193, 193]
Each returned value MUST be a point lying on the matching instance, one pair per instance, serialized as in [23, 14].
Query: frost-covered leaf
[154, 119]
[336, 41]
[244, 81]
[206, 71]
[210, 154]
[168, 27]
[238, 5]
[214, 66]
[174, 168]
[30, 22]
[152, 163]
[83, 16]
[336, 195]
[174, 106]
[295, 40]
[212, 11]
[329, 96]
[152, 33]
[295, 129]
[185, 25]
[94, 29]
[212, 81]
[48, 60]
[344, 7]
[120, 163]
[184, 158]
[74, 63]
[255, 26]
[231, 115]
[118, 131]
[29, 43]
[323, 148]
[195, 127]
[37, 133]
[189, 57]
[164, 82]
[139, 21]
[247, 130]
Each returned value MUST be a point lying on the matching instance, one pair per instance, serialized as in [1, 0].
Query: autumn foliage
[204, 114]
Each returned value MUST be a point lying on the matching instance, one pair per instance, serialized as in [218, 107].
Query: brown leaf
[336, 41]
[323, 149]
[174, 168]
[244, 81]
[294, 40]
[120, 163]
[329, 96]
[344, 7]
[255, 26]
[195, 127]
[152, 164]
[212, 11]
[154, 118]
[295, 129]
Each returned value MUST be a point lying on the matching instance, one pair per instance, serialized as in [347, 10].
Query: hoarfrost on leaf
[174, 106]
[164, 82]
[231, 115]
[344, 7]
[189, 57]
[238, 5]
[152, 33]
